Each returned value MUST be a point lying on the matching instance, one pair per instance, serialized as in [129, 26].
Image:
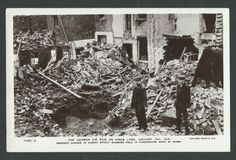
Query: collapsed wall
[165, 37]
[176, 46]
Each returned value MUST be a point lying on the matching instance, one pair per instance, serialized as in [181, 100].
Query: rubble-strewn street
[91, 94]
[44, 109]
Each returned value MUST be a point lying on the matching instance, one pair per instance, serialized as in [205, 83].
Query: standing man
[139, 102]
[182, 102]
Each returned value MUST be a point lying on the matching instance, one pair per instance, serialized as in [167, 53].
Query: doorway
[128, 48]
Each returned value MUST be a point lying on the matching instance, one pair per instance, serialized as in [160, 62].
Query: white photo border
[218, 143]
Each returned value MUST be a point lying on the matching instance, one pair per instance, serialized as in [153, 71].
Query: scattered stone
[162, 129]
[46, 111]
[208, 130]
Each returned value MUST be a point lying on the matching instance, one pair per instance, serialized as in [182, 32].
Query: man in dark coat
[182, 103]
[139, 102]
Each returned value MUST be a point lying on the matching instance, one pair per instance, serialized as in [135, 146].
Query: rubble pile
[104, 79]
[97, 78]
[34, 40]
[34, 105]
[206, 112]
[205, 115]
[94, 73]
[167, 79]
[206, 103]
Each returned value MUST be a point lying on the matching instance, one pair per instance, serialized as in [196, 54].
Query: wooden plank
[183, 53]
[17, 55]
[18, 49]
[108, 66]
[63, 29]
[111, 80]
[121, 78]
[91, 86]
[217, 127]
[64, 32]
[48, 67]
[63, 87]
[117, 94]
[150, 108]
[164, 63]
[124, 69]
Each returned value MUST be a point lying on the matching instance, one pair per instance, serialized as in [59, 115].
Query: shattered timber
[75, 75]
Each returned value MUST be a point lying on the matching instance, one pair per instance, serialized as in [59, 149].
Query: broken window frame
[139, 20]
[142, 16]
[138, 49]
[207, 22]
[101, 37]
[128, 24]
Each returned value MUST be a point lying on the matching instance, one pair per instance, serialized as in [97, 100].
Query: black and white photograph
[127, 74]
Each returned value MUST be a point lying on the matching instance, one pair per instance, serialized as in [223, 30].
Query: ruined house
[64, 30]
[149, 39]
[152, 39]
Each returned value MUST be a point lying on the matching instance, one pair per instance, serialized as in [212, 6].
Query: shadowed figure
[218, 73]
[182, 103]
[204, 67]
[210, 67]
[139, 102]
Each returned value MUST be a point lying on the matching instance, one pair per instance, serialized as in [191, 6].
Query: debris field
[91, 95]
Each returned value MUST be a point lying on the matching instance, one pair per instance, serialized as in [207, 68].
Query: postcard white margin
[218, 143]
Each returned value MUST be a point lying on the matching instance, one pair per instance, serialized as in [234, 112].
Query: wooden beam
[121, 78]
[183, 53]
[18, 49]
[217, 127]
[63, 87]
[64, 32]
[48, 67]
[17, 54]
[150, 108]
[63, 29]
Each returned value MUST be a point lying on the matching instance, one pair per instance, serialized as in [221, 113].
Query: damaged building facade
[149, 39]
[81, 71]
[153, 39]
